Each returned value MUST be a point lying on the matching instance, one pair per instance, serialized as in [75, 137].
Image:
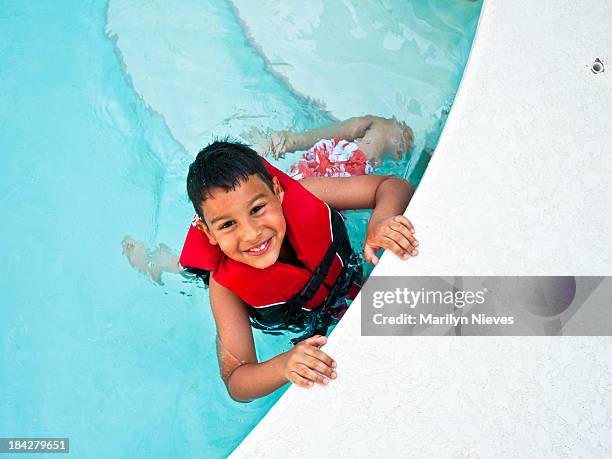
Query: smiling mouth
[260, 249]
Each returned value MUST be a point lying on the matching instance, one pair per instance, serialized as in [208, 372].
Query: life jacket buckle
[313, 284]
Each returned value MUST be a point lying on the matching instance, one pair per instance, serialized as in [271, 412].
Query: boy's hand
[306, 363]
[393, 233]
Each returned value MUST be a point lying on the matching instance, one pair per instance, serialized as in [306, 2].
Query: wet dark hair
[222, 164]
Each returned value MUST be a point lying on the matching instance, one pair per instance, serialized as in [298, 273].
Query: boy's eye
[257, 208]
[227, 224]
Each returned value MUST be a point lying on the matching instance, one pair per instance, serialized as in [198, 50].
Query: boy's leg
[280, 142]
[373, 134]
[350, 129]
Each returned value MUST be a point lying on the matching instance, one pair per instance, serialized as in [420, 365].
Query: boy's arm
[245, 378]
[387, 195]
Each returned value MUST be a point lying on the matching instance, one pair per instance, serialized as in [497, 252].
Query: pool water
[104, 106]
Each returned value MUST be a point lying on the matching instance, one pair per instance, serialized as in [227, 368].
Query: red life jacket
[318, 236]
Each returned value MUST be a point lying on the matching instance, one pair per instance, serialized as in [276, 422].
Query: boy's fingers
[315, 364]
[311, 375]
[316, 340]
[404, 221]
[322, 356]
[370, 254]
[299, 380]
[396, 248]
[404, 231]
[318, 366]
[400, 240]
[406, 241]
[391, 244]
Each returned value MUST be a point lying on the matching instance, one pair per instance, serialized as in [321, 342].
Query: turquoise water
[90, 349]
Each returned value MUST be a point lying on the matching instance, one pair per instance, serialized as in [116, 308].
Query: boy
[277, 251]
[351, 147]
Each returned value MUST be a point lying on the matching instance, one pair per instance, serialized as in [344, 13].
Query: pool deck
[519, 185]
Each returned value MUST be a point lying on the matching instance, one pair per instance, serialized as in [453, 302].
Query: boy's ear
[278, 189]
[202, 227]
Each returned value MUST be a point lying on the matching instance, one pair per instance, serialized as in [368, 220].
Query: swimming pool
[104, 105]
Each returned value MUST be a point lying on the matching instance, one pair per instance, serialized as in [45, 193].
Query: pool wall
[519, 185]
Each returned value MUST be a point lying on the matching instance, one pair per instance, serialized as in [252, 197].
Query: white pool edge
[520, 137]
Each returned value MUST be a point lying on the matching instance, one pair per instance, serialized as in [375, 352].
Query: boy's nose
[250, 233]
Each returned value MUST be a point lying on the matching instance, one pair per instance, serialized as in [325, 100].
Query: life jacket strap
[319, 275]
[300, 300]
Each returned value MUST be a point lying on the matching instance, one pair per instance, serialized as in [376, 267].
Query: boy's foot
[136, 253]
[407, 140]
[267, 142]
[150, 263]
[386, 136]
[400, 138]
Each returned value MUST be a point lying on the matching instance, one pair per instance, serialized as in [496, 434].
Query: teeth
[258, 249]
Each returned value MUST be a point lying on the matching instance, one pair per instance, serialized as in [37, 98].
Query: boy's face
[247, 223]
